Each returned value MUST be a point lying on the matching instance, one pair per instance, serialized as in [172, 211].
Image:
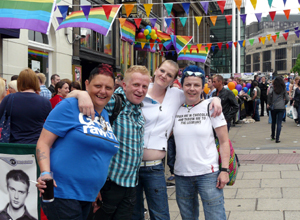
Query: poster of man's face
[19, 194]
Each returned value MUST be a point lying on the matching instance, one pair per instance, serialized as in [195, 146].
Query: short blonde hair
[2, 88]
[297, 78]
[28, 80]
[136, 69]
[13, 84]
[42, 78]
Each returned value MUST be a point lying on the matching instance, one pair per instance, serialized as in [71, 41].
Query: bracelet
[44, 173]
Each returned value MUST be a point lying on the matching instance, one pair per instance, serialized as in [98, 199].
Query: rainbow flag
[33, 15]
[178, 41]
[163, 37]
[128, 32]
[194, 56]
[37, 53]
[97, 20]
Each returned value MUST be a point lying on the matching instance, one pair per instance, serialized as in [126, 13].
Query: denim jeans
[66, 209]
[187, 189]
[270, 118]
[152, 180]
[277, 116]
[171, 153]
[256, 103]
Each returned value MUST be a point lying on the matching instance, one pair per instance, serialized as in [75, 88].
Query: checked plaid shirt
[129, 129]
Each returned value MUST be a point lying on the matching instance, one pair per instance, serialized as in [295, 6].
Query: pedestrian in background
[61, 92]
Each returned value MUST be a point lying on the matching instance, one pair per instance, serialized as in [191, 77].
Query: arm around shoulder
[85, 103]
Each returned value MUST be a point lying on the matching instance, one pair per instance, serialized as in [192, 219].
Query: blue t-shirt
[81, 154]
[287, 85]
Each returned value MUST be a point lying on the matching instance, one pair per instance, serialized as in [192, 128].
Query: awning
[9, 33]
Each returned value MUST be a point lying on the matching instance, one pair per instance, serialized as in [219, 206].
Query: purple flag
[59, 19]
[229, 44]
[284, 1]
[173, 37]
[153, 21]
[205, 6]
[86, 10]
[168, 21]
[296, 28]
[243, 17]
[63, 10]
[186, 7]
[297, 33]
[167, 44]
[213, 48]
[258, 16]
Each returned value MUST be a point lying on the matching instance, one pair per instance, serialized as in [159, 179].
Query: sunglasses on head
[190, 73]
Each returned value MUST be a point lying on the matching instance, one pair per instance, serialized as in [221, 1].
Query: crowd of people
[106, 145]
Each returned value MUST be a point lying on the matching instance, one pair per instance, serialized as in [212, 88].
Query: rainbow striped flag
[37, 53]
[163, 37]
[147, 47]
[128, 32]
[178, 41]
[97, 20]
[33, 15]
[194, 56]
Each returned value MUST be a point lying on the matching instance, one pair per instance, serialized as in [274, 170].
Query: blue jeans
[256, 103]
[152, 180]
[270, 118]
[171, 153]
[277, 116]
[66, 209]
[187, 189]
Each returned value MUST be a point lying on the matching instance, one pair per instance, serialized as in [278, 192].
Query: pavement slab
[265, 193]
[291, 215]
[261, 175]
[291, 193]
[278, 205]
[256, 215]
[240, 204]
[287, 183]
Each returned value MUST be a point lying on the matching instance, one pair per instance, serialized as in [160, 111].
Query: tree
[296, 67]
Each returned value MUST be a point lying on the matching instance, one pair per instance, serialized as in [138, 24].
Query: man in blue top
[117, 197]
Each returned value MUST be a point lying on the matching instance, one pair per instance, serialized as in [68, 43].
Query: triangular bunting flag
[142, 45]
[263, 39]
[299, 8]
[277, 33]
[86, 10]
[220, 45]
[209, 46]
[107, 9]
[160, 46]
[213, 19]
[168, 21]
[60, 19]
[206, 49]
[241, 43]
[186, 7]
[137, 22]
[270, 3]
[198, 19]
[153, 21]
[191, 50]
[269, 37]
[286, 31]
[122, 21]
[243, 17]
[272, 14]
[284, 1]
[251, 41]
[258, 16]
[199, 46]
[230, 44]
[274, 38]
[189, 46]
[173, 52]
[169, 7]
[244, 43]
[287, 13]
[228, 18]
[296, 28]
[128, 8]
[151, 45]
[205, 6]
[227, 45]
[285, 35]
[148, 8]
[297, 33]
[184, 51]
[235, 43]
[221, 5]
[253, 2]
[259, 40]
[238, 4]
[63, 10]
[162, 53]
[183, 20]
[213, 48]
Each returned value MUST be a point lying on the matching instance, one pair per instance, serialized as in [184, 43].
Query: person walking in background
[211, 87]
[54, 79]
[256, 101]
[296, 102]
[12, 87]
[263, 95]
[44, 91]
[277, 98]
[61, 92]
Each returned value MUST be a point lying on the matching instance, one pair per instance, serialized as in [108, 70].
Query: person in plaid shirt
[44, 91]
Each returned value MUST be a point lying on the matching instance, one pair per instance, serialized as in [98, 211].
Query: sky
[262, 6]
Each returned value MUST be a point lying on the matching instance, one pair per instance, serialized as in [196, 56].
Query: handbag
[5, 121]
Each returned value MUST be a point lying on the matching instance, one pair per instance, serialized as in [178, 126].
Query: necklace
[189, 107]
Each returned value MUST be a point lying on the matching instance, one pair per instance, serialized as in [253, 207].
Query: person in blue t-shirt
[77, 150]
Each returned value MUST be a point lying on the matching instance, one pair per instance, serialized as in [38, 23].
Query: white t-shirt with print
[196, 152]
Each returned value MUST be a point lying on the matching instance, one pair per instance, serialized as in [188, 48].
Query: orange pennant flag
[122, 21]
[198, 19]
[107, 9]
[235, 43]
[148, 8]
[238, 4]
[244, 43]
[142, 45]
[274, 38]
[151, 45]
[213, 19]
[208, 46]
[269, 37]
[287, 13]
[199, 46]
[184, 51]
[128, 8]
[263, 39]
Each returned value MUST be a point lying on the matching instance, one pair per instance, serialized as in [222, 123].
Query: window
[282, 43]
[280, 59]
[280, 64]
[38, 37]
[248, 59]
[258, 48]
[270, 45]
[295, 52]
[256, 67]
[266, 55]
[256, 58]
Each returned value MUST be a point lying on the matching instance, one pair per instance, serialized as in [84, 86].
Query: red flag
[287, 13]
[221, 5]
[286, 35]
[209, 46]
[162, 53]
[228, 18]
[235, 43]
[220, 45]
[227, 45]
[151, 45]
[137, 22]
[107, 9]
[259, 39]
[272, 14]
[160, 46]
[274, 38]
[191, 50]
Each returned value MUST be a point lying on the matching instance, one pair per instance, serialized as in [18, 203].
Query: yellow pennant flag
[299, 9]
[122, 21]
[148, 8]
[128, 8]
[238, 4]
[142, 45]
[263, 39]
[253, 2]
[199, 46]
[269, 37]
[108, 46]
[213, 19]
[184, 51]
[244, 43]
[198, 19]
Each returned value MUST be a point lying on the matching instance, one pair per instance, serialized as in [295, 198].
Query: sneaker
[171, 178]
[272, 138]
[298, 125]
[170, 185]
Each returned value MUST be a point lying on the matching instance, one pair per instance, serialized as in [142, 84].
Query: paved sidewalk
[268, 182]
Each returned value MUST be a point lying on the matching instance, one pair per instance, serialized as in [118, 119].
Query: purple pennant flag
[59, 19]
[229, 44]
[167, 45]
[296, 28]
[284, 1]
[173, 37]
[258, 16]
[167, 52]
[86, 10]
[186, 7]
[168, 21]
[56, 7]
[173, 52]
[213, 48]
[297, 33]
[299, 1]
[287, 31]
[243, 17]
[153, 21]
[63, 10]
[205, 6]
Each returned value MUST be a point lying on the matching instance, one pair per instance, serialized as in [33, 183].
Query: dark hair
[59, 85]
[299, 83]
[278, 85]
[53, 76]
[219, 78]
[255, 83]
[193, 68]
[18, 175]
[120, 77]
[75, 85]
[14, 77]
[103, 69]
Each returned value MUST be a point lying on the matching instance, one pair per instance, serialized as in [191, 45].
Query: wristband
[44, 173]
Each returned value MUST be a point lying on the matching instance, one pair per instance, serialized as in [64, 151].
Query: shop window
[38, 37]
[38, 62]
[142, 58]
[280, 54]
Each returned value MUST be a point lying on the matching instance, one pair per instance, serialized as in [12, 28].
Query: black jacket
[229, 103]
[263, 89]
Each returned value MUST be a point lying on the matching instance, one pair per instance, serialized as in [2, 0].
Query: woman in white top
[196, 166]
